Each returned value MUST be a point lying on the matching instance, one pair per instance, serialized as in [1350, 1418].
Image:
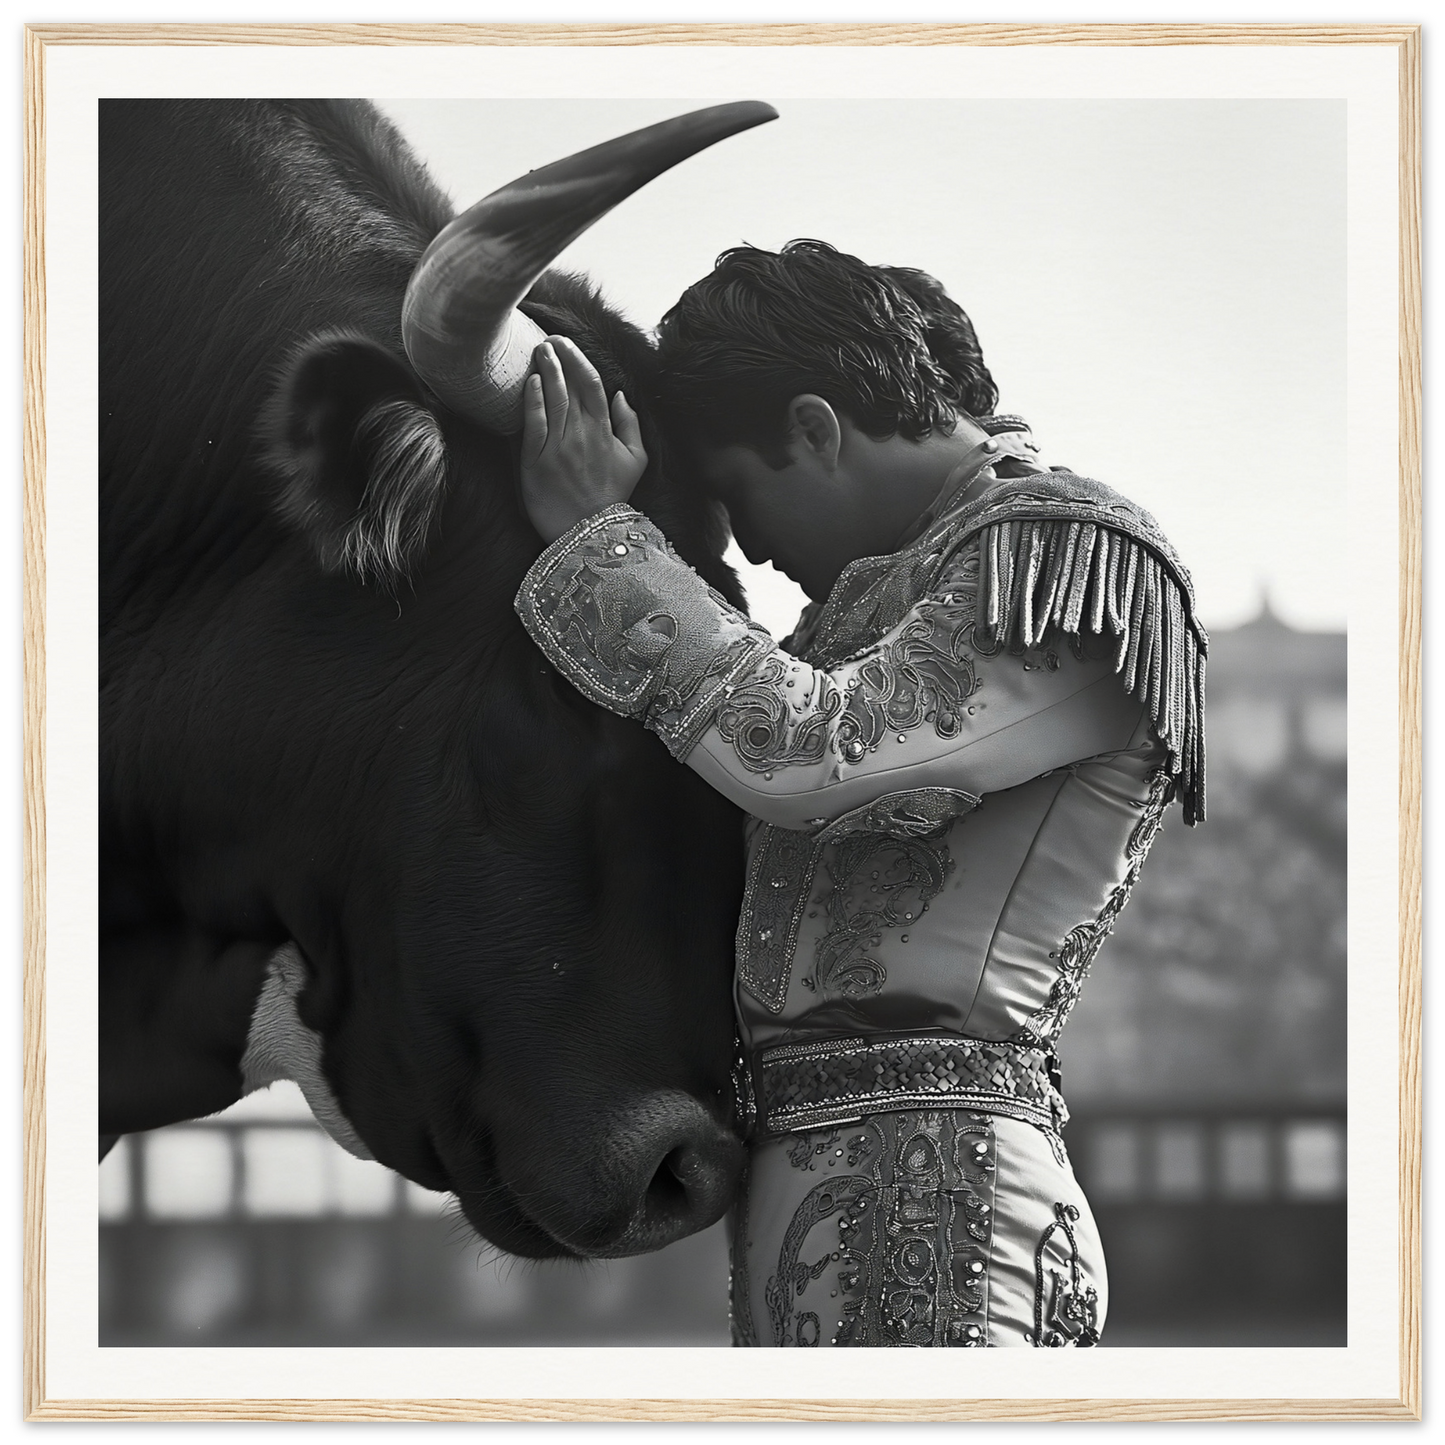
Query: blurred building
[1205, 1067]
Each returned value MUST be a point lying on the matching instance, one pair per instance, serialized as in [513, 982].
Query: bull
[505, 915]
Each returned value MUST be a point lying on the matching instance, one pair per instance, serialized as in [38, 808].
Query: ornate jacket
[954, 769]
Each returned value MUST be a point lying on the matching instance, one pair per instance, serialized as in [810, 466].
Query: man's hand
[578, 454]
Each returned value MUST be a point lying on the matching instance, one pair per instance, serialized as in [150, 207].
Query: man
[954, 772]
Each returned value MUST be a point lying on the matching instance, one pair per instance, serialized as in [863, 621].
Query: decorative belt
[839, 1081]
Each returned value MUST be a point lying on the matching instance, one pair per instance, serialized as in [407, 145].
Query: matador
[953, 770]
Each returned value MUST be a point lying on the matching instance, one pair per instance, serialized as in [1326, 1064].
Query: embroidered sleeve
[634, 628]
[638, 631]
[924, 707]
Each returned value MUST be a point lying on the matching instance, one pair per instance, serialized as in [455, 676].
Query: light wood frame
[1406, 40]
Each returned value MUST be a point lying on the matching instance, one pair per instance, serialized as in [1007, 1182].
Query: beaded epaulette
[1064, 553]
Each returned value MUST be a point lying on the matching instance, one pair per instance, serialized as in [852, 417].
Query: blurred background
[1204, 1066]
[1198, 247]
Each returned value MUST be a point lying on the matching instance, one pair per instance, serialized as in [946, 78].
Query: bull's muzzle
[658, 1171]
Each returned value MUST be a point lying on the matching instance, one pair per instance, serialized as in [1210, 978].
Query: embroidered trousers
[916, 1228]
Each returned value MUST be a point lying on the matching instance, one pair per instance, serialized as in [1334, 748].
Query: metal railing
[255, 1228]
[1243, 1157]
[267, 1159]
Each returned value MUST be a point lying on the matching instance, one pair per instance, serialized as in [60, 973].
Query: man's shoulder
[1062, 502]
[1056, 495]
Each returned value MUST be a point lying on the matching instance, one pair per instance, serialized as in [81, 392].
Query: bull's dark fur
[320, 719]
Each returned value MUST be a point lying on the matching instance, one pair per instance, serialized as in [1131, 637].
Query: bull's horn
[459, 321]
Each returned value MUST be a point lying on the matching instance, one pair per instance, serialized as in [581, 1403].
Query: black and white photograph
[725, 720]
[366, 831]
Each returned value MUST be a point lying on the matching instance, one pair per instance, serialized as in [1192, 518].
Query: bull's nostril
[670, 1184]
[667, 1168]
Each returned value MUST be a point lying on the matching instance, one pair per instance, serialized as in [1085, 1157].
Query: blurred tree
[1224, 982]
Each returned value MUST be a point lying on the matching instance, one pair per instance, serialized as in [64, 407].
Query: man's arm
[636, 630]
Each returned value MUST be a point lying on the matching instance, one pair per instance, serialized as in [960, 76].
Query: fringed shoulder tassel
[1040, 575]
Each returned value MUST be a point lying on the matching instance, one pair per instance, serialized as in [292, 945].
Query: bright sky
[1158, 286]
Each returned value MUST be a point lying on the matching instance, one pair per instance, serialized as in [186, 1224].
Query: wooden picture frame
[40, 1403]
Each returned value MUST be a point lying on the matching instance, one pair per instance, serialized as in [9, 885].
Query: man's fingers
[534, 420]
[626, 428]
[583, 383]
[554, 387]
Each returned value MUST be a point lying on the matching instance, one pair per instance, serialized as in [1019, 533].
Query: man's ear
[359, 453]
[814, 431]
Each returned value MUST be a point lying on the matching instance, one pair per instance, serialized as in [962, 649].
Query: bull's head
[526, 1000]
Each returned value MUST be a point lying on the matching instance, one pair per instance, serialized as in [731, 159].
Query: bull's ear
[360, 455]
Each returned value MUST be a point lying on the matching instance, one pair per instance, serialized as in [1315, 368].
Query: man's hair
[885, 345]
